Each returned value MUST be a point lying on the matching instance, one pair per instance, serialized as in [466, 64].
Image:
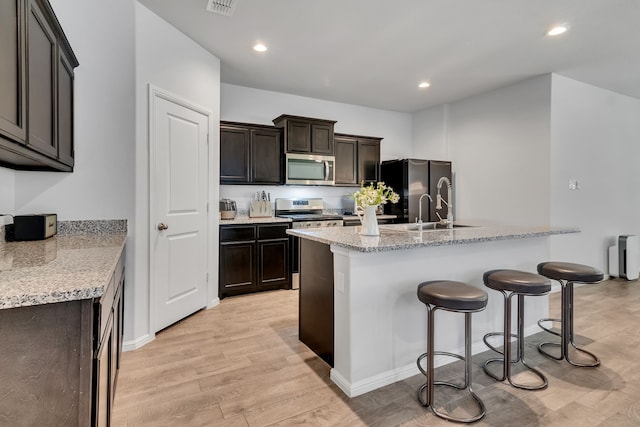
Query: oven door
[308, 169]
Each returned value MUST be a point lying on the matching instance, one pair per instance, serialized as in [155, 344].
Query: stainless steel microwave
[310, 169]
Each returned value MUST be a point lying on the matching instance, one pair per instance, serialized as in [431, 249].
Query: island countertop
[396, 237]
[61, 268]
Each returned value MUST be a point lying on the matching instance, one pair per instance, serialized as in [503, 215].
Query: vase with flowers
[367, 199]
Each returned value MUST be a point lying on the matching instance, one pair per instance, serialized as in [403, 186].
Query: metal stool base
[566, 331]
[428, 387]
[506, 353]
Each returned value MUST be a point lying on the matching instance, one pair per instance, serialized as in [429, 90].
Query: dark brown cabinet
[13, 105]
[36, 73]
[109, 311]
[369, 160]
[250, 154]
[306, 135]
[346, 160]
[253, 258]
[60, 360]
[357, 159]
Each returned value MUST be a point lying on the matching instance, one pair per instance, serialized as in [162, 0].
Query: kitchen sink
[426, 226]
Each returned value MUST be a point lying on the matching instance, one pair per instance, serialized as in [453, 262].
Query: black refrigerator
[411, 178]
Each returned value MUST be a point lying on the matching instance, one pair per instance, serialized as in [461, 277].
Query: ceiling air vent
[222, 7]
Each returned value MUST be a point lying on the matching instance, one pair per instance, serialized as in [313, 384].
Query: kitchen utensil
[228, 209]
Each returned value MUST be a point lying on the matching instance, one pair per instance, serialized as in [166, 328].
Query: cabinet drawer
[272, 231]
[237, 233]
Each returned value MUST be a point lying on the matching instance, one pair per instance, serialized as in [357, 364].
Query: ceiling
[374, 53]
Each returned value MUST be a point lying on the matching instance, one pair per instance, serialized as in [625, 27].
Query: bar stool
[567, 274]
[460, 298]
[510, 283]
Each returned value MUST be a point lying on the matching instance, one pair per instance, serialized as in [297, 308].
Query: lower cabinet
[253, 257]
[60, 360]
[109, 314]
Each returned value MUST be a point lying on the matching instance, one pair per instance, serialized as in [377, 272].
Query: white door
[179, 191]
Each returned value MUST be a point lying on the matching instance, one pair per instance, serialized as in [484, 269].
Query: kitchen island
[358, 305]
[61, 318]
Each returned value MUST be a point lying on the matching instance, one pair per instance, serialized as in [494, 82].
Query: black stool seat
[521, 282]
[570, 272]
[451, 295]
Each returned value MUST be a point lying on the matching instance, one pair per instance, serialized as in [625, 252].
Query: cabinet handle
[162, 226]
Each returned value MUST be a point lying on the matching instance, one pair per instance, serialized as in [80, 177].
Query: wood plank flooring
[241, 364]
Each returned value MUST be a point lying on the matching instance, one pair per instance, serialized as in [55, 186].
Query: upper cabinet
[306, 135]
[36, 74]
[357, 159]
[250, 154]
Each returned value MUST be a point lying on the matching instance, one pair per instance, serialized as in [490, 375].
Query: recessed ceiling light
[260, 47]
[424, 85]
[557, 30]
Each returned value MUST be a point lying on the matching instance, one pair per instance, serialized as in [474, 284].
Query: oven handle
[326, 170]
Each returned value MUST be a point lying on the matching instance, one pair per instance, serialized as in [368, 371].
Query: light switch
[574, 184]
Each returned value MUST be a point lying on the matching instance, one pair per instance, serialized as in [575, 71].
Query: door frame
[211, 295]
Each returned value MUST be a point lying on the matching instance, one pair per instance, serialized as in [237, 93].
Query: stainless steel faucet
[419, 219]
[449, 203]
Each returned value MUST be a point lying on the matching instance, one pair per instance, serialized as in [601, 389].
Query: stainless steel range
[306, 213]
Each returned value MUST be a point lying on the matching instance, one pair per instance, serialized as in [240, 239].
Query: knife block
[260, 209]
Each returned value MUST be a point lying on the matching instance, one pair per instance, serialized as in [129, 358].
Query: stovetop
[309, 216]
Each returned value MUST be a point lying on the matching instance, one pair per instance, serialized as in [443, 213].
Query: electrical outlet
[574, 184]
[339, 282]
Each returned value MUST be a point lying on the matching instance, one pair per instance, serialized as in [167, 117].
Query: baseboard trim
[138, 342]
[214, 302]
[394, 375]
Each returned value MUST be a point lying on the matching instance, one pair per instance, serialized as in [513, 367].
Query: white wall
[498, 143]
[243, 104]
[595, 139]
[430, 138]
[7, 191]
[101, 35]
[168, 59]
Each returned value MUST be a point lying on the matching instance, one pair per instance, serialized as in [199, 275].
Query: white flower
[375, 195]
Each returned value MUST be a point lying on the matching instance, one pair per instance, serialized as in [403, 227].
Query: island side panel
[382, 326]
[316, 299]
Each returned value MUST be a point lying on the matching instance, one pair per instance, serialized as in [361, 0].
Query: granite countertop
[243, 219]
[61, 268]
[395, 237]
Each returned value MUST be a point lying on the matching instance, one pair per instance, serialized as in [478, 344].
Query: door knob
[162, 226]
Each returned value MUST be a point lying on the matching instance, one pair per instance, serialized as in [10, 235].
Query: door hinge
[207, 207]
[207, 278]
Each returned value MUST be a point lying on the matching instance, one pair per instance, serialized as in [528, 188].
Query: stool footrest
[544, 328]
[499, 334]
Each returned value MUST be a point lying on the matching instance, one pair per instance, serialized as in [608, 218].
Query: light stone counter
[395, 237]
[61, 268]
[243, 219]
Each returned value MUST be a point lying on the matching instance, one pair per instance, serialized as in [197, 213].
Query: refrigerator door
[437, 169]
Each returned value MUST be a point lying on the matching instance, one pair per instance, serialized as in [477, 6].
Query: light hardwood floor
[241, 364]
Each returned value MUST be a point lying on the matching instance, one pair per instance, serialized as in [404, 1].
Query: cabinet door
[298, 136]
[368, 161]
[102, 381]
[273, 270]
[322, 138]
[13, 106]
[237, 268]
[234, 155]
[266, 156]
[346, 161]
[42, 61]
[65, 109]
